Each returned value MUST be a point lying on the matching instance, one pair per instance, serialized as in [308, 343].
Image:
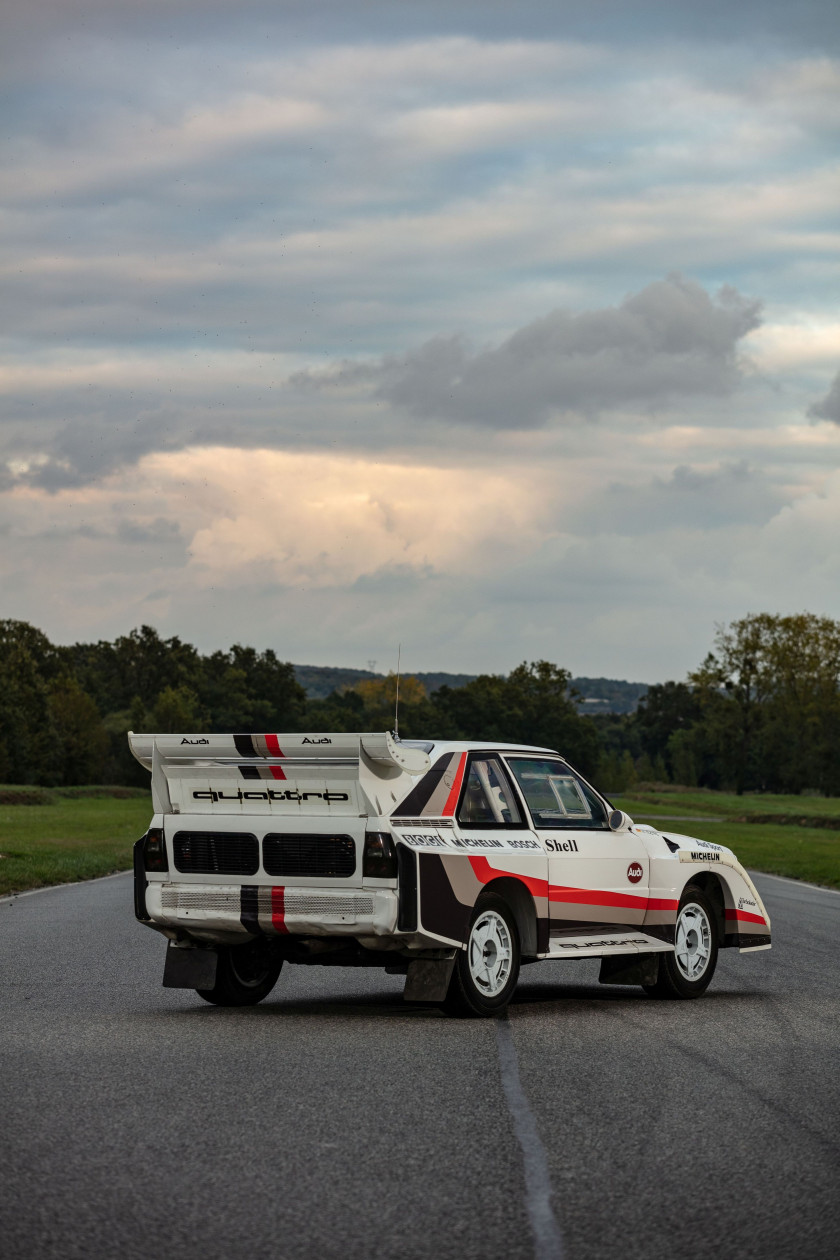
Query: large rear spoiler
[373, 761]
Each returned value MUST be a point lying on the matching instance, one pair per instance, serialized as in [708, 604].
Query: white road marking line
[548, 1241]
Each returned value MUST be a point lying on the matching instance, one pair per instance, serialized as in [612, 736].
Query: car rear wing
[337, 773]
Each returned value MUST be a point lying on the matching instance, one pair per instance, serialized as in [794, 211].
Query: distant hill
[600, 695]
[608, 695]
[319, 681]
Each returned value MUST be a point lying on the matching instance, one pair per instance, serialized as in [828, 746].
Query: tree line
[761, 713]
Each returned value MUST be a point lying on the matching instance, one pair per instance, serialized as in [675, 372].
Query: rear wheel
[244, 976]
[486, 972]
[688, 971]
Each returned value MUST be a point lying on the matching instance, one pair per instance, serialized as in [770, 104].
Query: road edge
[73, 883]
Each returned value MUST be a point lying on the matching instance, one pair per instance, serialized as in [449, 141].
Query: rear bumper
[228, 911]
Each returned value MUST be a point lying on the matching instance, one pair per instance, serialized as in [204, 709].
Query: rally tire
[486, 972]
[244, 976]
[688, 972]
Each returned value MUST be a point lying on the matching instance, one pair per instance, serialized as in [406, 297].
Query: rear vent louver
[327, 856]
[216, 853]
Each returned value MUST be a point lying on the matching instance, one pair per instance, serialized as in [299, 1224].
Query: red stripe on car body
[272, 743]
[745, 916]
[278, 910]
[452, 799]
[573, 896]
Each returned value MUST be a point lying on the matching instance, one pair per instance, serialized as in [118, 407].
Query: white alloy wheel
[693, 943]
[490, 951]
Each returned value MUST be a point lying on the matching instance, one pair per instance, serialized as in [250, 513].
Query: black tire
[675, 981]
[244, 976]
[468, 997]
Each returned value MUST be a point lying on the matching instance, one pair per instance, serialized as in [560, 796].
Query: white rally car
[448, 862]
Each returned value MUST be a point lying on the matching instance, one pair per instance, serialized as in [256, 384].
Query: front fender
[747, 923]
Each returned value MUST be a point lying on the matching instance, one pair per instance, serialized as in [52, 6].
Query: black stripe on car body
[244, 745]
[249, 915]
[407, 886]
[420, 795]
[440, 910]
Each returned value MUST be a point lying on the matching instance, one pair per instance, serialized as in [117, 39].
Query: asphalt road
[332, 1121]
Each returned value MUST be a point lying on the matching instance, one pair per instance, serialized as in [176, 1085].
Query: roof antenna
[397, 701]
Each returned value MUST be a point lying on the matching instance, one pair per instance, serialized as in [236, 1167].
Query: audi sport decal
[635, 871]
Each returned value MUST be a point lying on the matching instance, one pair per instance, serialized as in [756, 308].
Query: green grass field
[810, 852]
[676, 800]
[80, 836]
[68, 839]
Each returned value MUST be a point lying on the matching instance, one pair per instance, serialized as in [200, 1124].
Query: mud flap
[427, 979]
[629, 969]
[189, 968]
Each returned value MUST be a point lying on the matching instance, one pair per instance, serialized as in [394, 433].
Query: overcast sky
[506, 331]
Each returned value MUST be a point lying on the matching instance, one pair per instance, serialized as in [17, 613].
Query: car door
[597, 878]
[492, 829]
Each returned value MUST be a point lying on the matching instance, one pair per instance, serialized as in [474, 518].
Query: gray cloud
[667, 341]
[160, 530]
[92, 444]
[828, 408]
[731, 494]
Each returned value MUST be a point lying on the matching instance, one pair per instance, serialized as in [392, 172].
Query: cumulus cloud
[668, 341]
[828, 408]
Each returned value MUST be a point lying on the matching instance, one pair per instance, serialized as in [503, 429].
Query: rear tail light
[154, 850]
[380, 858]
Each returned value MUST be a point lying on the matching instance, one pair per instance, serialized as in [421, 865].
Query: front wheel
[688, 971]
[245, 974]
[486, 972]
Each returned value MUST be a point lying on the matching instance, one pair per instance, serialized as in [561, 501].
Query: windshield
[556, 796]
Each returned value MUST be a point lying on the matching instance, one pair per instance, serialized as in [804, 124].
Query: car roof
[436, 747]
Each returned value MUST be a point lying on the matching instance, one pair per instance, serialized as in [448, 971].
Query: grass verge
[68, 839]
[657, 799]
[810, 852]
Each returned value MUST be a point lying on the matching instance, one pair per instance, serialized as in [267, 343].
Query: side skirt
[594, 945]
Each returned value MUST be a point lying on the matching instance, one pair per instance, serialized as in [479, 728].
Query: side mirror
[619, 821]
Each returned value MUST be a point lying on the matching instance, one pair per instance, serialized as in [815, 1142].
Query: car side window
[556, 796]
[488, 800]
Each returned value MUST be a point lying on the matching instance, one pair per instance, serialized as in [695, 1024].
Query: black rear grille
[216, 852]
[330, 856]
